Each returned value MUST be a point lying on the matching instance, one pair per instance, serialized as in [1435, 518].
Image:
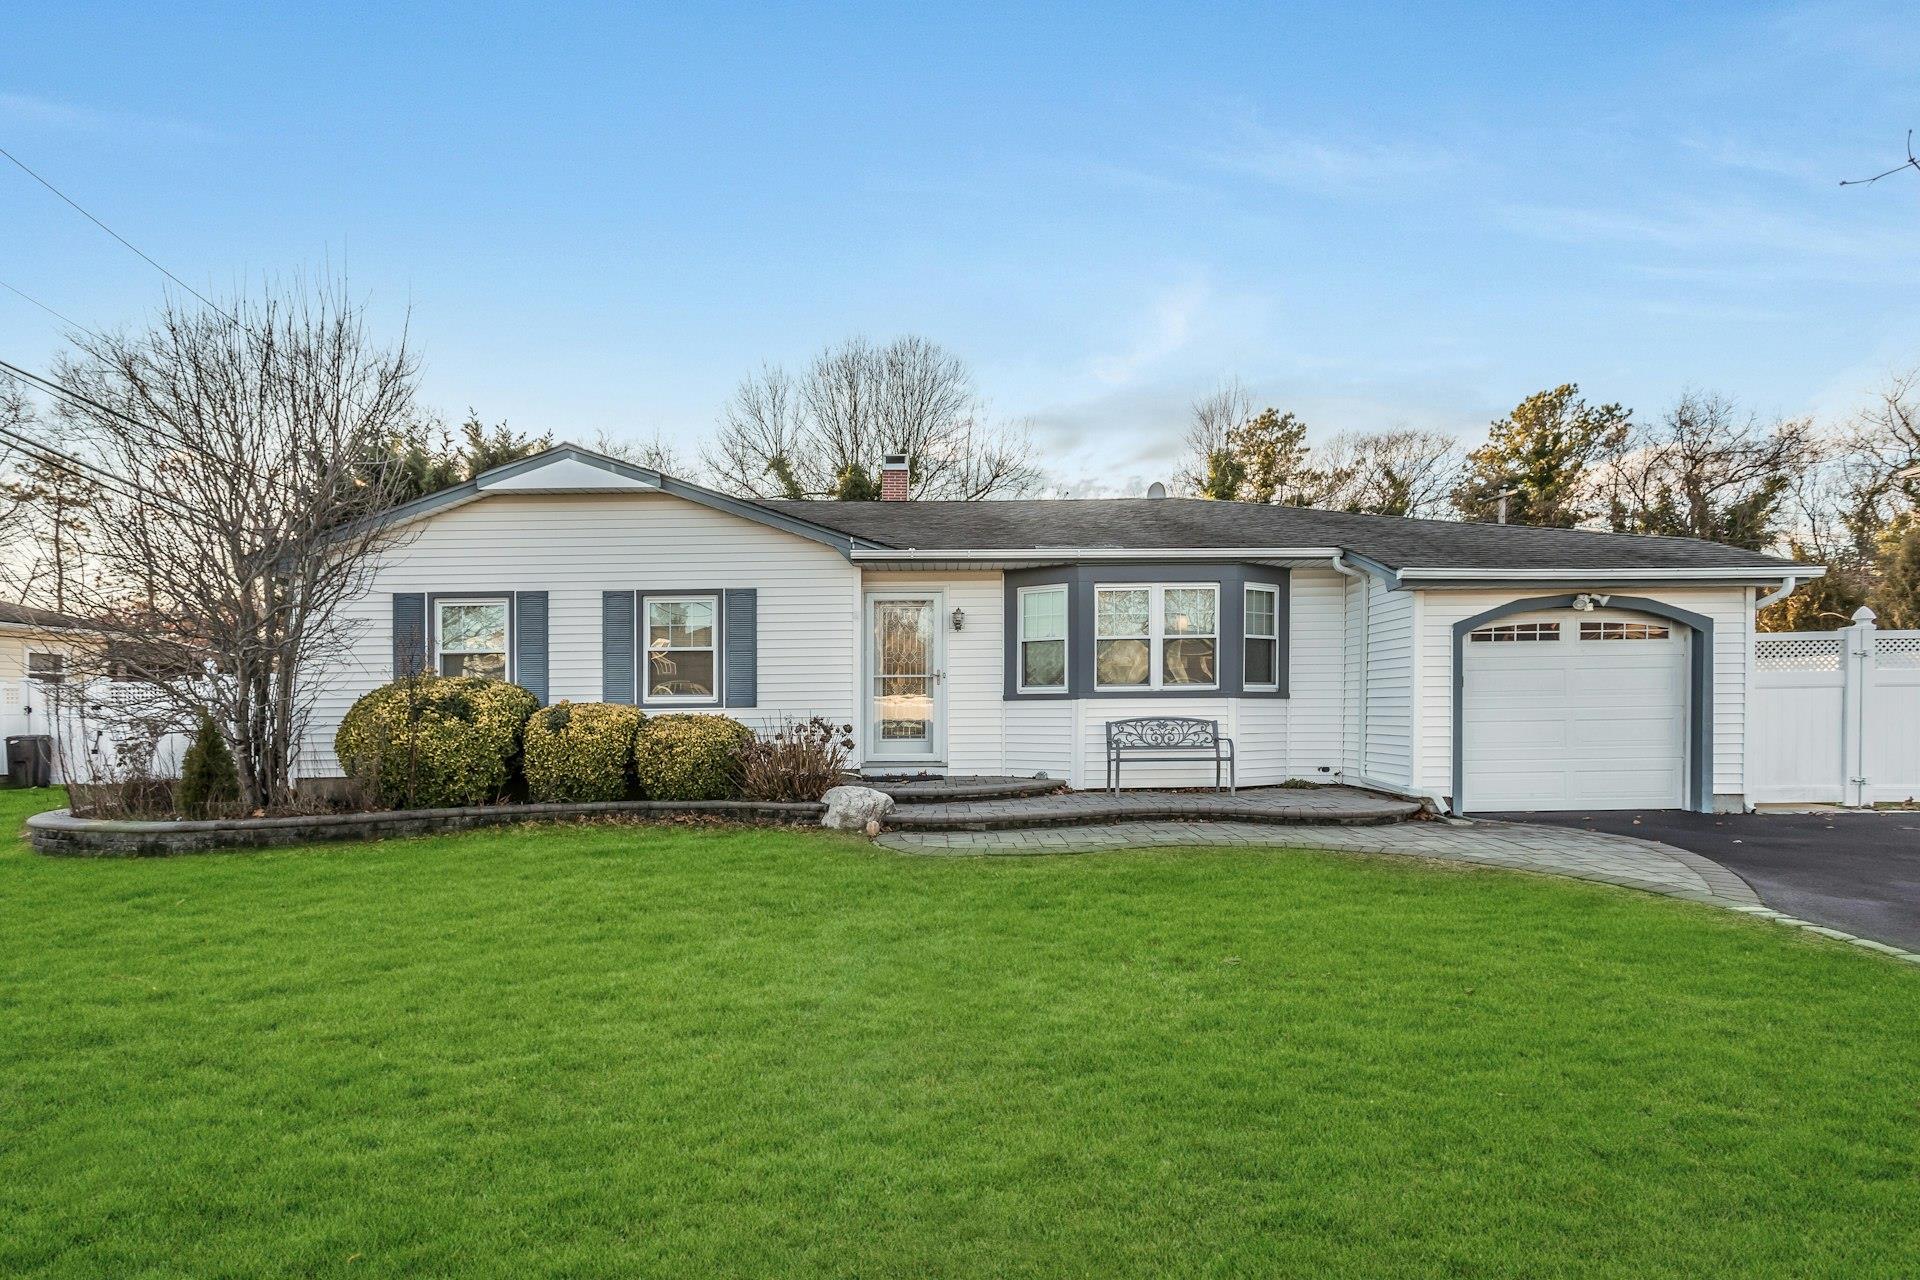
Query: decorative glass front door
[904, 657]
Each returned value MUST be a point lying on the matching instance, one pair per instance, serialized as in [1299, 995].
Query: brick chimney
[893, 478]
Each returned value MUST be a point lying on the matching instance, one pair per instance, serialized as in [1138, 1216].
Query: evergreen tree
[1541, 454]
[209, 786]
[1896, 596]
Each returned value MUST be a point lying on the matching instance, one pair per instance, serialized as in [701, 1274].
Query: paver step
[1345, 806]
[920, 791]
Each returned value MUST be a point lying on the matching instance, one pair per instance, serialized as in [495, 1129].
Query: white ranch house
[1488, 667]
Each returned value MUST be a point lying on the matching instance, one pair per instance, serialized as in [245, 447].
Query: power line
[75, 205]
[63, 319]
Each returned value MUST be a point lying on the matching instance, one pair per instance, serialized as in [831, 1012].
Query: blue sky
[601, 218]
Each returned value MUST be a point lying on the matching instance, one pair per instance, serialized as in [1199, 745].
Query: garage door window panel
[1517, 633]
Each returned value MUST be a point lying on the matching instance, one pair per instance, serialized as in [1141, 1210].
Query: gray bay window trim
[623, 647]
[1080, 581]
[416, 620]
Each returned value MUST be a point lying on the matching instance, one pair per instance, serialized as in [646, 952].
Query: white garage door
[1576, 711]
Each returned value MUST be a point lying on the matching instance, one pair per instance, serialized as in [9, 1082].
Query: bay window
[1262, 638]
[1163, 636]
[682, 653]
[1043, 639]
[470, 637]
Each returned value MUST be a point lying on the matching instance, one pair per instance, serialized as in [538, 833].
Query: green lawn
[616, 1051]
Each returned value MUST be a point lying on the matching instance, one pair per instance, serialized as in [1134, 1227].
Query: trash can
[30, 760]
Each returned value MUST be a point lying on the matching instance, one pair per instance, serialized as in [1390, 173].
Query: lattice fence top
[1797, 652]
[1899, 650]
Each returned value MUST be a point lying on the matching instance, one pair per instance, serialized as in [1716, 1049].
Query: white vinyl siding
[574, 547]
[974, 656]
[1316, 655]
[1390, 662]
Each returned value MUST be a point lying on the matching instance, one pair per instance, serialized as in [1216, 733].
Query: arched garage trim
[1699, 721]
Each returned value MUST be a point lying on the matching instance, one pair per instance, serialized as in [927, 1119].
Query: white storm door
[906, 694]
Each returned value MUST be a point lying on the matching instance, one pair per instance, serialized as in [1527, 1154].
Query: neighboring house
[33, 654]
[1489, 666]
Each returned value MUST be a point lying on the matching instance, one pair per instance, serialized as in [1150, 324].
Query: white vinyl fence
[89, 724]
[1835, 716]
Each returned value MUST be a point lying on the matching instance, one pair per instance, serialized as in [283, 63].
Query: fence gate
[1835, 717]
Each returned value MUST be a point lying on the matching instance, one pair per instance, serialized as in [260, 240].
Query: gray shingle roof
[23, 615]
[1197, 524]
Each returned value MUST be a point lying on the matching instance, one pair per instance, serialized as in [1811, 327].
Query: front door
[904, 702]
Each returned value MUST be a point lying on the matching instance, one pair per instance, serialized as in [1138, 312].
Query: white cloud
[49, 113]
[1167, 328]
[1320, 164]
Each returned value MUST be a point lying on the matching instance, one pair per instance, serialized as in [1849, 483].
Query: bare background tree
[1401, 472]
[655, 452]
[825, 433]
[44, 511]
[1707, 470]
[221, 559]
[1209, 468]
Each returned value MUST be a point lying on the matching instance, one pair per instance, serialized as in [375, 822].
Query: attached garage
[1576, 711]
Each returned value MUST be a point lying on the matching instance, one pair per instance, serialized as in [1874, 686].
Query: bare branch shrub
[797, 760]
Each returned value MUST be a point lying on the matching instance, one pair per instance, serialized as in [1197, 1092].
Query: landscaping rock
[852, 808]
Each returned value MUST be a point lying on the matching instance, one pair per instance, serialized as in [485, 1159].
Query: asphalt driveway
[1859, 872]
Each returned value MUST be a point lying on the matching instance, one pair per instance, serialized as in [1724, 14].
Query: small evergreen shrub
[427, 742]
[578, 752]
[690, 757]
[209, 787]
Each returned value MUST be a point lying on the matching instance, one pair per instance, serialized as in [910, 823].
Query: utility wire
[63, 319]
[75, 205]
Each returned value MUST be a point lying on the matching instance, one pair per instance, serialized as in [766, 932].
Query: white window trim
[1066, 639]
[1247, 633]
[647, 696]
[1156, 635]
[439, 632]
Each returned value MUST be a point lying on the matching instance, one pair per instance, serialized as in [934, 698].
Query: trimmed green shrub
[689, 757]
[428, 742]
[581, 751]
[209, 785]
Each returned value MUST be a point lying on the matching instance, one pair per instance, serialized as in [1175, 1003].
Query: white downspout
[1360, 576]
[1787, 585]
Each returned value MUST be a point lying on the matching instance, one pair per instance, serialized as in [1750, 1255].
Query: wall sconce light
[959, 619]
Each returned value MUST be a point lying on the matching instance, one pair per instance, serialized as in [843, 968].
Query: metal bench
[1166, 740]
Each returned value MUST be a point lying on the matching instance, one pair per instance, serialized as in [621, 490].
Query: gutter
[1730, 573]
[1097, 553]
[1360, 576]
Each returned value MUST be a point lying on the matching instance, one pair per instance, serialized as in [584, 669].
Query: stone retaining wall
[60, 833]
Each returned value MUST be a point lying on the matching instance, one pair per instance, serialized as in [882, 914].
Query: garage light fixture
[1584, 603]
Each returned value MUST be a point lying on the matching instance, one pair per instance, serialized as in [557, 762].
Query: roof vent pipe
[1156, 490]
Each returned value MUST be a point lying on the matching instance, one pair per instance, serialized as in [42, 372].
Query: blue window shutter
[616, 646]
[409, 633]
[742, 638]
[530, 642]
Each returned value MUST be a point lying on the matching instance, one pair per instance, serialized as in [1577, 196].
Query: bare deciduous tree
[657, 453]
[824, 434]
[1207, 469]
[1401, 472]
[219, 580]
[1705, 470]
